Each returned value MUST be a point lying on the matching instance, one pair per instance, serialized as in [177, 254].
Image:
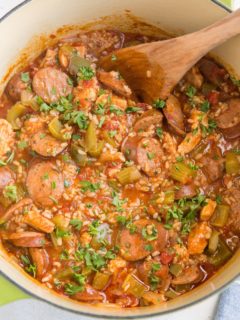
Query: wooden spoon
[153, 69]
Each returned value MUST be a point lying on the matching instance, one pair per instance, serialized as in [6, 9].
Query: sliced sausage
[173, 113]
[7, 137]
[18, 206]
[145, 152]
[147, 119]
[113, 81]
[212, 168]
[229, 120]
[15, 86]
[27, 239]
[45, 183]
[145, 269]
[39, 222]
[189, 275]
[133, 246]
[41, 259]
[46, 145]
[89, 295]
[211, 71]
[51, 84]
[7, 177]
[100, 41]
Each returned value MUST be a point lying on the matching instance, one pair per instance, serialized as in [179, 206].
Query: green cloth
[9, 292]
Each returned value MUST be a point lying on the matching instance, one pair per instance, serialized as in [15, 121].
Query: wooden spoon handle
[218, 32]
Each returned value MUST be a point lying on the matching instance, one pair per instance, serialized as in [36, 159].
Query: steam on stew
[108, 199]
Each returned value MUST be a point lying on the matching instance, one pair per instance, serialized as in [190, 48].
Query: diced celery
[78, 155]
[232, 164]
[60, 222]
[182, 172]
[55, 127]
[100, 280]
[128, 175]
[213, 242]
[14, 113]
[220, 215]
[169, 197]
[134, 286]
[64, 274]
[221, 255]
[175, 269]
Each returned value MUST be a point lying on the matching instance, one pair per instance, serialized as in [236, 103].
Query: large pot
[35, 17]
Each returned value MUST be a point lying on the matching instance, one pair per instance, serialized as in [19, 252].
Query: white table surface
[32, 309]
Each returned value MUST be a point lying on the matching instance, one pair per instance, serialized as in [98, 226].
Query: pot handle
[9, 292]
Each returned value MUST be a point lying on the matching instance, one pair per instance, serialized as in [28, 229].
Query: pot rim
[153, 314]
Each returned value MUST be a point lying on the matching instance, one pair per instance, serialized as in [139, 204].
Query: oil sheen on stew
[106, 199]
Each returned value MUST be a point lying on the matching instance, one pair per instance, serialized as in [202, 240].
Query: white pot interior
[28, 26]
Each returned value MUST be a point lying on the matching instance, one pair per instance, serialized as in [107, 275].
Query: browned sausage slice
[15, 87]
[229, 120]
[39, 222]
[173, 113]
[50, 84]
[27, 239]
[89, 295]
[7, 176]
[18, 206]
[133, 246]
[211, 71]
[46, 145]
[147, 119]
[189, 275]
[41, 259]
[113, 81]
[45, 183]
[145, 152]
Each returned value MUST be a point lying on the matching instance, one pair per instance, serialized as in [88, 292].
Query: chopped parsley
[25, 77]
[212, 125]
[28, 266]
[159, 104]
[101, 121]
[150, 155]
[93, 228]
[62, 233]
[218, 199]
[235, 81]
[159, 132]
[150, 232]
[148, 247]
[112, 133]
[115, 110]
[10, 192]
[191, 91]
[113, 57]
[132, 109]
[100, 109]
[72, 289]
[76, 223]
[85, 73]
[118, 203]
[22, 144]
[89, 186]
[79, 118]
[205, 106]
[64, 255]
